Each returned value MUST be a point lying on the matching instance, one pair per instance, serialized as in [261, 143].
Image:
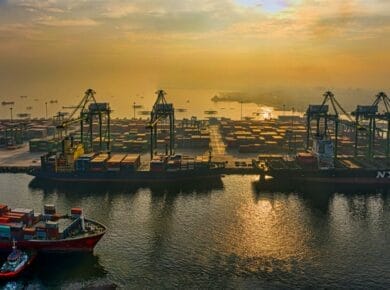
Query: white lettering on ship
[383, 174]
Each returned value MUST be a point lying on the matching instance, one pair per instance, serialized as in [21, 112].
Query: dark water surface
[217, 235]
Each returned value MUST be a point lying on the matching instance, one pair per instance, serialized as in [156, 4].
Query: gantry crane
[384, 116]
[372, 115]
[87, 116]
[161, 111]
[361, 114]
[322, 116]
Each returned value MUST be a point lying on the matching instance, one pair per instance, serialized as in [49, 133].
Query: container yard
[264, 136]
[15, 133]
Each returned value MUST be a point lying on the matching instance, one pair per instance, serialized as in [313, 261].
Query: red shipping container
[55, 217]
[76, 210]
[15, 219]
[52, 233]
[10, 213]
[4, 220]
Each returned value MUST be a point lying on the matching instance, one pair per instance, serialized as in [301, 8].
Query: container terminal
[324, 144]
[81, 161]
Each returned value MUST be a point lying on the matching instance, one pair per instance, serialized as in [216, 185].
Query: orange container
[76, 210]
[29, 231]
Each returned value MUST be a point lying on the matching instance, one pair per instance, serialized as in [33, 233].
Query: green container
[5, 230]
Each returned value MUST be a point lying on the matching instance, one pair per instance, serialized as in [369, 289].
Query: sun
[269, 6]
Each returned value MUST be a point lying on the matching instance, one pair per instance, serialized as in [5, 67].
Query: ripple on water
[222, 235]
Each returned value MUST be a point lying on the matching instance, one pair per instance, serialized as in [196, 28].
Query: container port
[356, 140]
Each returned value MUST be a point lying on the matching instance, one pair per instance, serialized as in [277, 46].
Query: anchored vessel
[49, 231]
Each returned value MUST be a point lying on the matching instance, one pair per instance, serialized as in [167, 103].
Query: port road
[20, 157]
[217, 146]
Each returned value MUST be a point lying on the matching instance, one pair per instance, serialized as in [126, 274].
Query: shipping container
[37, 217]
[4, 220]
[28, 237]
[49, 209]
[51, 224]
[114, 163]
[131, 162]
[76, 211]
[3, 208]
[52, 233]
[5, 232]
[29, 231]
[41, 234]
[98, 163]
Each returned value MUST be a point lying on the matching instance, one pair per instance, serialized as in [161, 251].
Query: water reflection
[273, 185]
[229, 234]
[49, 187]
[318, 198]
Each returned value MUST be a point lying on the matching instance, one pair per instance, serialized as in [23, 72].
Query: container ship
[327, 125]
[73, 165]
[48, 232]
[320, 166]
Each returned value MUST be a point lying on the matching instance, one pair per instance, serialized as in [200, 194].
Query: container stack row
[262, 136]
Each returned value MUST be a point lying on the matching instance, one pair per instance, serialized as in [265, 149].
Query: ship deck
[279, 162]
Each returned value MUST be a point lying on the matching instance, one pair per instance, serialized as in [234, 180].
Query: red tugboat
[16, 262]
[48, 232]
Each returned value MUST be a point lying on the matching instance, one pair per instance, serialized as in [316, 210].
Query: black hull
[138, 177]
[372, 177]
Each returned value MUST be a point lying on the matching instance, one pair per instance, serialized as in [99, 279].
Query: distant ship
[210, 112]
[8, 103]
[144, 113]
[48, 232]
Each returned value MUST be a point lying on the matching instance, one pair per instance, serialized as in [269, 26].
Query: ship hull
[135, 177]
[78, 244]
[332, 176]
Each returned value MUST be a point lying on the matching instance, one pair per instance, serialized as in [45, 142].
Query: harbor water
[224, 234]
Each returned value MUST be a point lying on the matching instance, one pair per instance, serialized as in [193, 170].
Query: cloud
[51, 21]
[118, 11]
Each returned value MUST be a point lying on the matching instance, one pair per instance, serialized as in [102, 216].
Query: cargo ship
[48, 232]
[73, 165]
[320, 167]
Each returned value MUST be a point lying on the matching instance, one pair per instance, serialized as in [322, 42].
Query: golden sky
[62, 47]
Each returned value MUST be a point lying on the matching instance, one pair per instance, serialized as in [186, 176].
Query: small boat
[16, 262]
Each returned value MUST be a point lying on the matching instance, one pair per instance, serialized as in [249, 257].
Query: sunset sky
[60, 48]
